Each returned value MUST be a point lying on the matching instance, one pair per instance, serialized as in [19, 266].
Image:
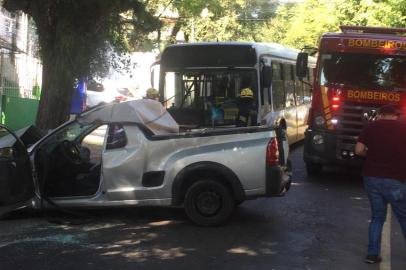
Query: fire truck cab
[358, 71]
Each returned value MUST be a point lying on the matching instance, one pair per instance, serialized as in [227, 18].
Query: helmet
[152, 93]
[246, 93]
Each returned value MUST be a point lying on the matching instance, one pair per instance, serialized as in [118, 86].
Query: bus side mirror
[301, 64]
[266, 75]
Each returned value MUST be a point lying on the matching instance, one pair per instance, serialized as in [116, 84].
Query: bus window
[266, 80]
[278, 92]
[289, 85]
[310, 75]
[307, 88]
[299, 90]
[172, 89]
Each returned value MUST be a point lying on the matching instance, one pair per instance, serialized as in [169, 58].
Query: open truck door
[16, 180]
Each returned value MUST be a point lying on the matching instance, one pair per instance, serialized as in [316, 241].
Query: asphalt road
[320, 224]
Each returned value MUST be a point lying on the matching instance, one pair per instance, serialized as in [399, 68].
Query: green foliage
[81, 38]
[303, 23]
[36, 91]
[215, 20]
[86, 32]
[219, 24]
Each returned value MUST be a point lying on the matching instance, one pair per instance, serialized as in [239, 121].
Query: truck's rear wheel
[313, 168]
[208, 203]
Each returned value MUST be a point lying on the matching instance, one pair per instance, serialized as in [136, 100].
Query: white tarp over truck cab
[149, 112]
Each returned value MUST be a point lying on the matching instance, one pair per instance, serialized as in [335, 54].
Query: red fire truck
[358, 70]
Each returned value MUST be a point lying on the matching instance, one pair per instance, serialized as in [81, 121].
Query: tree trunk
[56, 95]
[175, 30]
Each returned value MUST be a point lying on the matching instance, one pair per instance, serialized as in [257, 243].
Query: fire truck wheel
[313, 168]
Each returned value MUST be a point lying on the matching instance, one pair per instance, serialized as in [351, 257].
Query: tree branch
[16, 5]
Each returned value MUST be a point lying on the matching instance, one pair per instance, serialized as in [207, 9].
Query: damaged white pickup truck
[132, 154]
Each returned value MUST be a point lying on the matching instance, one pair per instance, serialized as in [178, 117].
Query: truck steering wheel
[71, 152]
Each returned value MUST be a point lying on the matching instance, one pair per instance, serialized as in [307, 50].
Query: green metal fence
[19, 92]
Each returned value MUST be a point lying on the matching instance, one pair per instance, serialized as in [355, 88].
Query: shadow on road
[146, 237]
[340, 176]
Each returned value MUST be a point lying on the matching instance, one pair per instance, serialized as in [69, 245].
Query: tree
[275, 30]
[76, 39]
[254, 15]
[303, 23]
[214, 20]
[216, 24]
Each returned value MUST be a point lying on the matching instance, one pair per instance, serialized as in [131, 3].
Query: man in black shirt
[383, 143]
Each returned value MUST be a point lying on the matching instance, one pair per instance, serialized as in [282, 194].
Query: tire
[313, 169]
[208, 203]
[238, 202]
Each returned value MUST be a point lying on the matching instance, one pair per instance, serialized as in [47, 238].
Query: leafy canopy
[80, 38]
[86, 32]
[303, 23]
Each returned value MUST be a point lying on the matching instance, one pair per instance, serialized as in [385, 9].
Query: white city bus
[200, 85]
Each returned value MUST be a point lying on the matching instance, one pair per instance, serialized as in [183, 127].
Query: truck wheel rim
[208, 203]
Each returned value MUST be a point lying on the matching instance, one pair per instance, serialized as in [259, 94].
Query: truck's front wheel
[313, 168]
[208, 203]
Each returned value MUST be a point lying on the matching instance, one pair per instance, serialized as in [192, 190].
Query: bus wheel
[313, 168]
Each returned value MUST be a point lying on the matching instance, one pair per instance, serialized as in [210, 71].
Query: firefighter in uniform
[246, 108]
[152, 93]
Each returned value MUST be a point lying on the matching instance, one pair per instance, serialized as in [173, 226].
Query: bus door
[290, 103]
[303, 99]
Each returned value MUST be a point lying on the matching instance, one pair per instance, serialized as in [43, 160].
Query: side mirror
[266, 75]
[301, 64]
[6, 153]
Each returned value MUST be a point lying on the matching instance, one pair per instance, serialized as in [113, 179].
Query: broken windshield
[210, 93]
[69, 132]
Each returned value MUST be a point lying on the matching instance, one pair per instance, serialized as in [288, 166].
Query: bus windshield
[214, 92]
[375, 72]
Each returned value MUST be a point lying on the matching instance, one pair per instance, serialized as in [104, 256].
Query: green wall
[18, 112]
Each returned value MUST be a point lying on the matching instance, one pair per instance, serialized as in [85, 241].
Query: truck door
[16, 181]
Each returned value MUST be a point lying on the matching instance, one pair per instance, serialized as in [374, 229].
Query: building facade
[20, 69]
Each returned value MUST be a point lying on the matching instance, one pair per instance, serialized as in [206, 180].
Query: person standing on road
[383, 143]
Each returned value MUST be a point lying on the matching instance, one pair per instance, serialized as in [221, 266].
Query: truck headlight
[318, 139]
[319, 121]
